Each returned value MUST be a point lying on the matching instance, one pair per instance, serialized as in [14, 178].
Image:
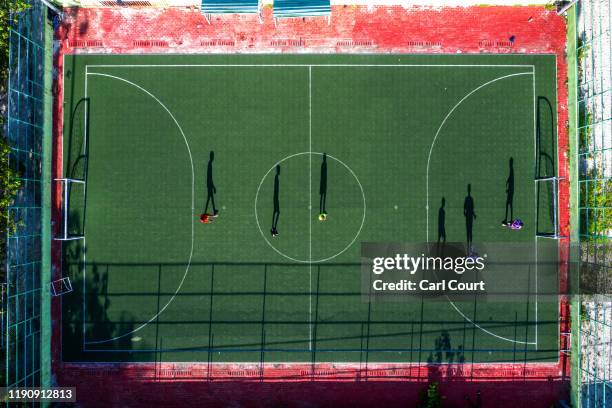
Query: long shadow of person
[276, 202]
[323, 185]
[441, 225]
[509, 194]
[470, 216]
[211, 190]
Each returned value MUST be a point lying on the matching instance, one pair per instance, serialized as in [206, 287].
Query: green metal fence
[594, 168]
[26, 296]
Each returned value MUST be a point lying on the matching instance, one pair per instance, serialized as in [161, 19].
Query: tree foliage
[9, 9]
[595, 187]
[9, 178]
[9, 184]
[430, 397]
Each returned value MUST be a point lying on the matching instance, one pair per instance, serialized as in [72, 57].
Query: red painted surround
[352, 29]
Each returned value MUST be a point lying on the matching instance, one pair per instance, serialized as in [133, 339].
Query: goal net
[72, 209]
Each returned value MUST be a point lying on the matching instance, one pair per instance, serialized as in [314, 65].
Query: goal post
[547, 207]
[546, 173]
[70, 229]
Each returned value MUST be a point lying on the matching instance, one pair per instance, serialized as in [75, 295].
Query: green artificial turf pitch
[153, 283]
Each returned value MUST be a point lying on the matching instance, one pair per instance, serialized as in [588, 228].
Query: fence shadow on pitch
[252, 292]
[78, 326]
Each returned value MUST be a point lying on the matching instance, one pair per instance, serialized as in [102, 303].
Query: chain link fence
[594, 70]
[23, 259]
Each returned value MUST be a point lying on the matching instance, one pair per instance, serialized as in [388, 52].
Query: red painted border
[352, 29]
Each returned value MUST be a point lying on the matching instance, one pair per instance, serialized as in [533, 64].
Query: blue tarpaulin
[301, 8]
[230, 6]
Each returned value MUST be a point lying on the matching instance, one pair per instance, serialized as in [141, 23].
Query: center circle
[307, 187]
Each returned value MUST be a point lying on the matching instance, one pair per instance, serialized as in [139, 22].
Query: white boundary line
[556, 112]
[535, 195]
[274, 364]
[84, 289]
[310, 152]
[427, 196]
[192, 207]
[305, 65]
[84, 235]
[310, 206]
[62, 95]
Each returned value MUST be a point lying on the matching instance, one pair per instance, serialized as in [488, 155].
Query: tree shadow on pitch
[85, 313]
[444, 353]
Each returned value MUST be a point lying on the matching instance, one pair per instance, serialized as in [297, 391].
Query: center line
[310, 206]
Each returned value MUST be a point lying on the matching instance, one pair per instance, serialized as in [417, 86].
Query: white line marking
[84, 289]
[62, 173]
[305, 65]
[268, 363]
[535, 186]
[557, 203]
[433, 143]
[320, 65]
[310, 206]
[86, 115]
[192, 207]
[427, 195]
[84, 237]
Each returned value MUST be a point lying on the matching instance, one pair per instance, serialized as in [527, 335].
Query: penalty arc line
[192, 209]
[433, 143]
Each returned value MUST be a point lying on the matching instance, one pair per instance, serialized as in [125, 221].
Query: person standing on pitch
[470, 216]
[323, 189]
[276, 202]
[211, 190]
